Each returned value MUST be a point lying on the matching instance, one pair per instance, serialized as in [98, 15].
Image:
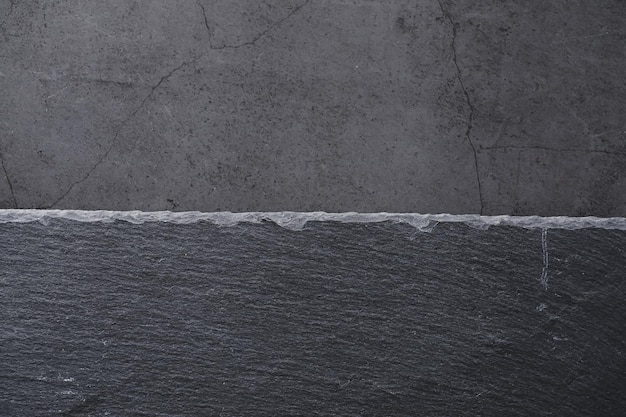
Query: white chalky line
[544, 252]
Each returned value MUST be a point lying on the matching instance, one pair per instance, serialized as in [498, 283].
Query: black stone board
[376, 319]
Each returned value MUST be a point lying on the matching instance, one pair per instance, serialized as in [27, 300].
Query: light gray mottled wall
[452, 106]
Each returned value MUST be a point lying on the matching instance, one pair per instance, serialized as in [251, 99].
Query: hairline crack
[470, 117]
[6, 175]
[163, 79]
[262, 33]
[118, 131]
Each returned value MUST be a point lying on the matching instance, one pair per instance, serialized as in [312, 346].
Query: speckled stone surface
[493, 107]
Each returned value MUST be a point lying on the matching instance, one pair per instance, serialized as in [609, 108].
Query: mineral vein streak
[544, 253]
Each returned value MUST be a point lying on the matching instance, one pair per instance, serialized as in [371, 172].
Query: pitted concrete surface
[492, 107]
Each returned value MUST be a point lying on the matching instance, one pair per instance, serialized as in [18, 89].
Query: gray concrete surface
[493, 107]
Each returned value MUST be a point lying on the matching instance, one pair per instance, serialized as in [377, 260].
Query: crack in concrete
[116, 136]
[547, 148]
[6, 174]
[261, 34]
[118, 131]
[206, 22]
[470, 117]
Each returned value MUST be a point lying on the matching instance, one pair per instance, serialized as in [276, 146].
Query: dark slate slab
[162, 319]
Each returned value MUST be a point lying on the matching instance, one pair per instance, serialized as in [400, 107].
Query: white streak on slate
[544, 252]
[297, 220]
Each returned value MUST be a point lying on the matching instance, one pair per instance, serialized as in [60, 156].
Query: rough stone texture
[337, 105]
[338, 319]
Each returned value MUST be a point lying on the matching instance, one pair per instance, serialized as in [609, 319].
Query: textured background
[337, 319]
[431, 106]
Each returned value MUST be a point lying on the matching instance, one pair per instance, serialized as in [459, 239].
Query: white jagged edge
[297, 220]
